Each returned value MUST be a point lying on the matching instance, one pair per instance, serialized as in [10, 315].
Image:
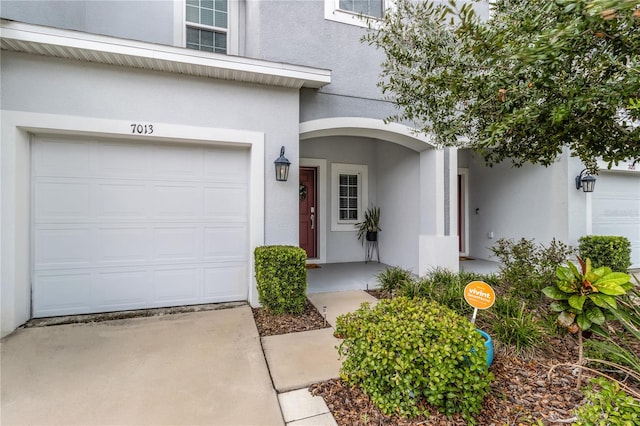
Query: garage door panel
[616, 209]
[122, 244]
[177, 243]
[62, 247]
[178, 286]
[121, 200]
[171, 162]
[177, 201]
[138, 226]
[124, 160]
[225, 166]
[61, 201]
[62, 293]
[225, 242]
[59, 158]
[234, 205]
[122, 289]
[223, 283]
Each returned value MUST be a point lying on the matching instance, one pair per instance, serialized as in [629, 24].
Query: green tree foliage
[534, 77]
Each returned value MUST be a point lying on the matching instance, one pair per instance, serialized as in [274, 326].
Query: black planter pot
[372, 236]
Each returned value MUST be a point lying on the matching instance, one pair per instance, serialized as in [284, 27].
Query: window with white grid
[207, 25]
[372, 8]
[348, 197]
[349, 192]
[361, 13]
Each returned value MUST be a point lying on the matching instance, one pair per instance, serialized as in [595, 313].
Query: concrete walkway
[193, 368]
[297, 360]
[198, 368]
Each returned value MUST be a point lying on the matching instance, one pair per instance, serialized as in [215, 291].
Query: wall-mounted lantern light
[585, 181]
[282, 167]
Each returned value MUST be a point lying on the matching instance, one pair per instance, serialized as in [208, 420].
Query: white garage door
[124, 225]
[616, 209]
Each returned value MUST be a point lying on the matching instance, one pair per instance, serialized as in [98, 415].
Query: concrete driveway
[194, 368]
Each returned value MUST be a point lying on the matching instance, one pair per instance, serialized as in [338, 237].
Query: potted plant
[369, 227]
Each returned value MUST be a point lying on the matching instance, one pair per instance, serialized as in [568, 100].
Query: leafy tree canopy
[531, 78]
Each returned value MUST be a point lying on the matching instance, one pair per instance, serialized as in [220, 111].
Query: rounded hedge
[409, 354]
[281, 277]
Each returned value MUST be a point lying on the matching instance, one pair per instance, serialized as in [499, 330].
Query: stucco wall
[399, 200]
[394, 176]
[149, 20]
[530, 202]
[303, 36]
[33, 84]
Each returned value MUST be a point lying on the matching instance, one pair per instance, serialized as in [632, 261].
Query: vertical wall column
[438, 210]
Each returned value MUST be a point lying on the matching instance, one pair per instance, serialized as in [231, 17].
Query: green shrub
[391, 279]
[282, 278]
[406, 353]
[611, 251]
[608, 406]
[517, 327]
[445, 287]
[527, 267]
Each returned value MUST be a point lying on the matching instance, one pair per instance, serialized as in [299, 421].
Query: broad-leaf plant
[584, 296]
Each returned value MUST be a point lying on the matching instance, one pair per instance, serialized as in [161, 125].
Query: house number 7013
[141, 129]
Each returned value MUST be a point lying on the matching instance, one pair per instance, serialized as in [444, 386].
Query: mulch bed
[521, 394]
[273, 324]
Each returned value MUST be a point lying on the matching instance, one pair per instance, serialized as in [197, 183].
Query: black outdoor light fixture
[585, 181]
[282, 167]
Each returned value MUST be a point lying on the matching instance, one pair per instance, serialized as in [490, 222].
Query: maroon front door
[308, 211]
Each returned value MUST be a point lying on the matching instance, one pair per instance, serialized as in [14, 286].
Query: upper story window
[207, 25]
[352, 11]
[365, 7]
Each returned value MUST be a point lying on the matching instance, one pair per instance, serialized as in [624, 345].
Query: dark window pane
[193, 14]
[221, 5]
[206, 17]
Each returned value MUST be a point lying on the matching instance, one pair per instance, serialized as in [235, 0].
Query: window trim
[232, 31]
[332, 12]
[362, 171]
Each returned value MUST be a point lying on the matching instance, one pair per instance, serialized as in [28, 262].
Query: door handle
[312, 217]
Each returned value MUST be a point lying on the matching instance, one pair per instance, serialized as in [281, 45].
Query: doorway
[308, 212]
[463, 212]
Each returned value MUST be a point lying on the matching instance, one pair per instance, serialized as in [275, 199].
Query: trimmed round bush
[605, 250]
[409, 354]
[281, 276]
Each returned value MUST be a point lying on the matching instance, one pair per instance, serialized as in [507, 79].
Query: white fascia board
[110, 50]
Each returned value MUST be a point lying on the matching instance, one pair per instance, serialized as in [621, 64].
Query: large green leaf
[583, 322]
[595, 315]
[598, 273]
[574, 270]
[577, 301]
[627, 286]
[617, 278]
[559, 306]
[555, 293]
[567, 286]
[564, 273]
[604, 301]
[609, 288]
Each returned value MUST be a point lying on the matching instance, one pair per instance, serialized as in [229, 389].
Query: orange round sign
[479, 295]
